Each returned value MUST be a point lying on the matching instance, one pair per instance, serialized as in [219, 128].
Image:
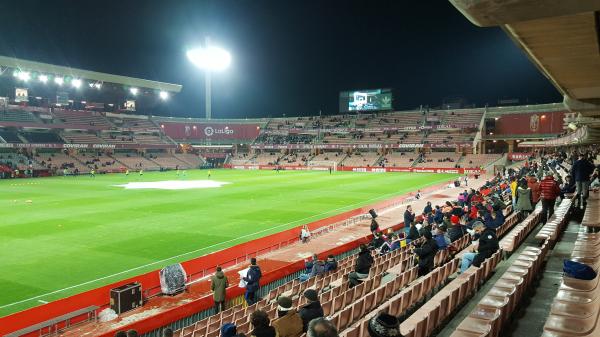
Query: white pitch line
[197, 250]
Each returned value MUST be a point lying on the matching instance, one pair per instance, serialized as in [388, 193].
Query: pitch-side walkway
[274, 260]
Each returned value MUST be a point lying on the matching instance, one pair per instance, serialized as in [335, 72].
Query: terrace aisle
[276, 259]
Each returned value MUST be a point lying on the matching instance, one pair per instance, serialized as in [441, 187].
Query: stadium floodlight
[163, 95]
[133, 91]
[43, 78]
[59, 80]
[76, 83]
[209, 58]
[24, 76]
[98, 85]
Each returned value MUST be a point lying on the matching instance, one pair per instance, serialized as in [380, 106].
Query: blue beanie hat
[228, 330]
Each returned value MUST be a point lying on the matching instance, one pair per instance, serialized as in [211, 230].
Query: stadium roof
[562, 38]
[87, 74]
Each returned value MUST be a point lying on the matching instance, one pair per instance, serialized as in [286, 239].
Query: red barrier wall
[360, 169]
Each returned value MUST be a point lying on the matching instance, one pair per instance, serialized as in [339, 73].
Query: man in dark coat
[581, 171]
[426, 253]
[252, 282]
[487, 246]
[312, 309]
[409, 216]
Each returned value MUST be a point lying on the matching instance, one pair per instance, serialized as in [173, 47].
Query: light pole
[209, 58]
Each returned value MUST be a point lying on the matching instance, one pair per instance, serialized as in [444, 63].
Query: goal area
[323, 164]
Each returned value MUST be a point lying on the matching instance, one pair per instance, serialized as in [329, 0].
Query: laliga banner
[211, 131]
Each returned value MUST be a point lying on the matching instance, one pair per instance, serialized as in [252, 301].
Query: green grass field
[79, 229]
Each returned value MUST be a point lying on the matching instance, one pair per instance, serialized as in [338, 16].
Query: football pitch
[63, 235]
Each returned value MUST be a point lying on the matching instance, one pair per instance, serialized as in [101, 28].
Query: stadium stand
[41, 137]
[166, 160]
[439, 159]
[265, 158]
[135, 161]
[81, 118]
[398, 159]
[16, 115]
[82, 138]
[361, 159]
[9, 136]
[337, 157]
[191, 160]
[479, 160]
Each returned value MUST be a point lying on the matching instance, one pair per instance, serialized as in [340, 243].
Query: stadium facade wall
[211, 131]
[204, 265]
[530, 123]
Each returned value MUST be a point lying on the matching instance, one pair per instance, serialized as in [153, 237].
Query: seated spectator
[317, 269]
[308, 264]
[377, 242]
[384, 325]
[132, 333]
[289, 323]
[330, 264]
[322, 327]
[121, 334]
[441, 237]
[304, 234]
[168, 332]
[362, 266]
[568, 187]
[312, 309]
[413, 233]
[426, 253]
[261, 325]
[396, 243]
[457, 229]
[428, 209]
[486, 246]
[227, 330]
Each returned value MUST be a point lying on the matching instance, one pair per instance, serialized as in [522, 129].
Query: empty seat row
[442, 305]
[575, 310]
[512, 240]
[556, 224]
[496, 307]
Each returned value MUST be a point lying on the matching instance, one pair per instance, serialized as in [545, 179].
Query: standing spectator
[534, 185]
[312, 309]
[384, 325]
[513, 191]
[426, 253]
[252, 280]
[261, 324]
[330, 264]
[524, 203]
[362, 266]
[581, 171]
[550, 191]
[409, 216]
[289, 323]
[374, 226]
[487, 245]
[322, 327]
[219, 284]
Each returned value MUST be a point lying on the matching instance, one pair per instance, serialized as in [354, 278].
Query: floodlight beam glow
[163, 95]
[133, 91]
[43, 78]
[76, 83]
[59, 80]
[211, 58]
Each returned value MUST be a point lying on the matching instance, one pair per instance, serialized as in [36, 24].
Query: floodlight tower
[210, 59]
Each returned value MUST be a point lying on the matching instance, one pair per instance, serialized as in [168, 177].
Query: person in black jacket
[413, 233]
[362, 266]
[486, 247]
[581, 171]
[374, 226]
[426, 253]
[252, 282]
[311, 310]
[428, 209]
[409, 216]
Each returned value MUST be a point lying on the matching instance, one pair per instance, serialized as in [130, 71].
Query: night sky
[289, 57]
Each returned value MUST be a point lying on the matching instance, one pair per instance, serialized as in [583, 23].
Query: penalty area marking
[201, 249]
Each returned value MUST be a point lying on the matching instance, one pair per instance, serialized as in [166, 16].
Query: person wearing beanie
[121, 334]
[132, 333]
[252, 280]
[312, 309]
[384, 325]
[289, 323]
[486, 246]
[168, 332]
[228, 330]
